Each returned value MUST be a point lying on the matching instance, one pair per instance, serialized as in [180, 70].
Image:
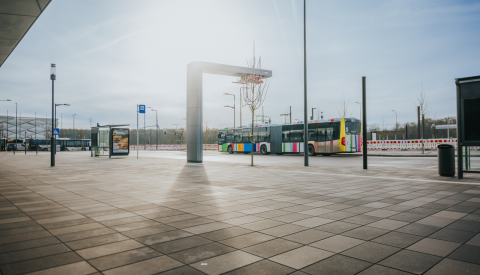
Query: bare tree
[423, 103]
[256, 89]
[343, 110]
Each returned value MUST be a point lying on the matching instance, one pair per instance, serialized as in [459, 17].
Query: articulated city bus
[326, 137]
[63, 144]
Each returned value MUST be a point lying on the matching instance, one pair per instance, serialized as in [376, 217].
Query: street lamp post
[56, 123]
[232, 107]
[305, 121]
[52, 138]
[16, 127]
[360, 109]
[74, 125]
[156, 127]
[312, 113]
[396, 125]
[7, 114]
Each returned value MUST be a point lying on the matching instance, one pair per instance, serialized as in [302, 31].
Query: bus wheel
[311, 150]
[230, 149]
[263, 150]
[326, 155]
[45, 149]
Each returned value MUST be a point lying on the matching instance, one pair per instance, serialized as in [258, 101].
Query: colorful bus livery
[324, 137]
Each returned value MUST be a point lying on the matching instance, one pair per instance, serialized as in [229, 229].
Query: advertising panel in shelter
[120, 141]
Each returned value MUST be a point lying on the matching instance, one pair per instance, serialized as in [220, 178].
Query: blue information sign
[141, 109]
[56, 131]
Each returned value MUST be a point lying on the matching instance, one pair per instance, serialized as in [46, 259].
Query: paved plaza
[160, 215]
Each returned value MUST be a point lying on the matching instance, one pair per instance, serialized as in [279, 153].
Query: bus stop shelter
[468, 123]
[110, 140]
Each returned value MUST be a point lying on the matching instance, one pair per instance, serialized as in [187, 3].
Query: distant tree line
[429, 133]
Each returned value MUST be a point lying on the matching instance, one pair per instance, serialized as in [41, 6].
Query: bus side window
[312, 132]
[246, 136]
[238, 136]
[229, 137]
[296, 134]
[286, 133]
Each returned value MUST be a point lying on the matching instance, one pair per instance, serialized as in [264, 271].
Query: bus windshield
[353, 126]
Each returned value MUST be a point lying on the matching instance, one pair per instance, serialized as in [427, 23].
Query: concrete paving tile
[132, 219]
[377, 204]
[260, 225]
[465, 226]
[475, 240]
[467, 253]
[272, 248]
[381, 213]
[136, 233]
[60, 219]
[449, 215]
[388, 224]
[397, 239]
[434, 247]
[264, 267]
[292, 217]
[20, 224]
[308, 236]
[448, 267]
[382, 270]
[283, 230]
[163, 237]
[151, 266]
[96, 241]
[337, 243]
[135, 225]
[313, 222]
[201, 253]
[226, 233]
[40, 263]
[365, 233]
[79, 268]
[24, 237]
[76, 228]
[370, 252]
[31, 253]
[337, 264]
[452, 235]
[181, 244]
[107, 249]
[316, 211]
[243, 220]
[124, 258]
[301, 257]
[20, 230]
[418, 229]
[246, 240]
[183, 270]
[411, 261]
[57, 225]
[176, 218]
[337, 227]
[362, 219]
[5, 248]
[85, 234]
[225, 263]
[435, 221]
[204, 228]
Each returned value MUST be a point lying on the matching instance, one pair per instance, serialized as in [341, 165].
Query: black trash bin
[446, 160]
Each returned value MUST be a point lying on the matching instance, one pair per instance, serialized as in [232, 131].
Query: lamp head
[53, 71]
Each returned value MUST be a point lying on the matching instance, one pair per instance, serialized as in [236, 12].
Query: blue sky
[112, 55]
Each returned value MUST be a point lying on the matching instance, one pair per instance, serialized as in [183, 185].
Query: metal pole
[459, 134]
[240, 107]
[25, 142]
[7, 129]
[137, 129]
[52, 140]
[290, 115]
[364, 122]
[305, 121]
[234, 112]
[35, 125]
[423, 133]
[16, 118]
[418, 124]
[144, 132]
[55, 127]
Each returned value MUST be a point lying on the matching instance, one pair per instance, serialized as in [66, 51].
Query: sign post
[141, 110]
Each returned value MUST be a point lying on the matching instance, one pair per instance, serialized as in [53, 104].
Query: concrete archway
[195, 71]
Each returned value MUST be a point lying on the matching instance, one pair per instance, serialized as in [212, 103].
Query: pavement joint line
[373, 177]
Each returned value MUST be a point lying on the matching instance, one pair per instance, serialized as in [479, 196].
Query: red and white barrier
[412, 144]
[172, 147]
